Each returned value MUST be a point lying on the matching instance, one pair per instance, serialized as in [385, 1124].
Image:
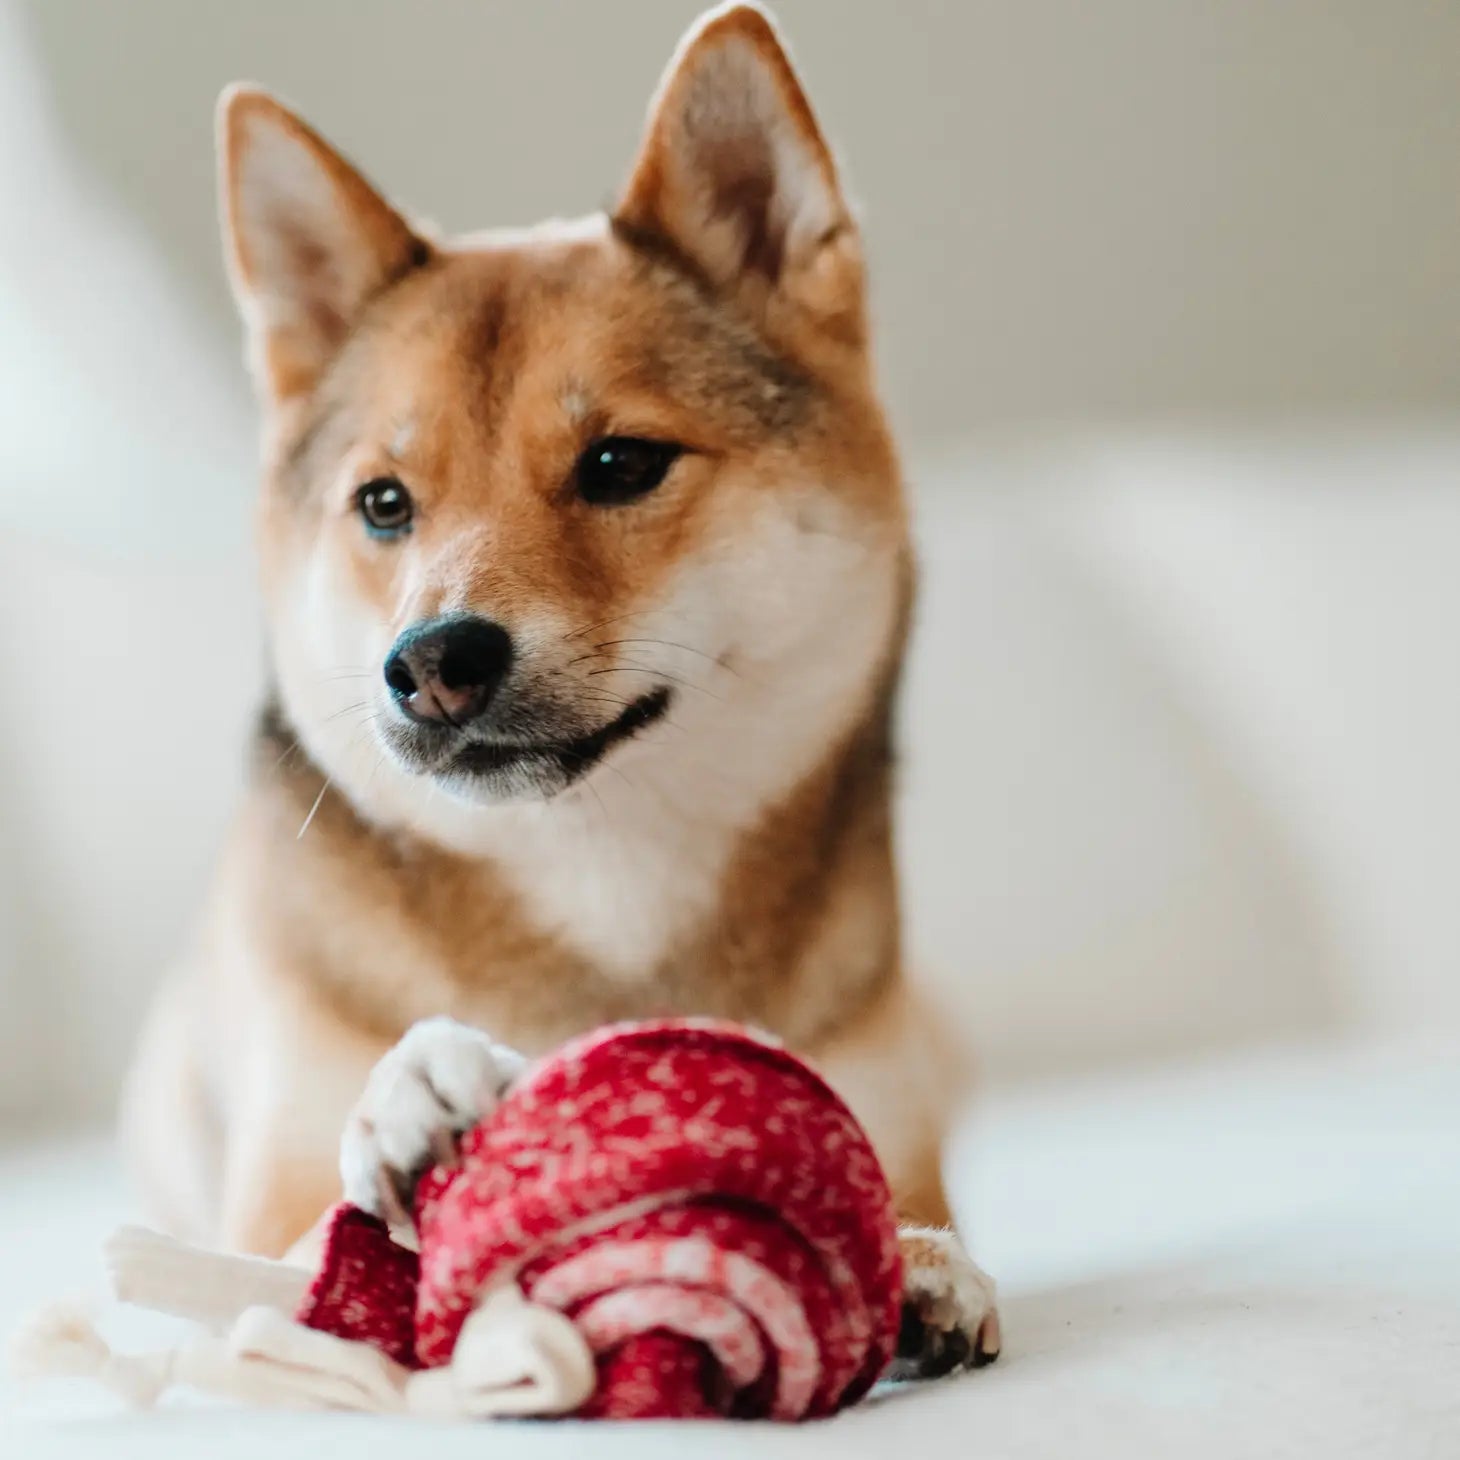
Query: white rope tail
[266, 1360]
[513, 1357]
[63, 1341]
[212, 1288]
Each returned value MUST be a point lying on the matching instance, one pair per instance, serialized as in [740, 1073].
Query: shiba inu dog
[586, 568]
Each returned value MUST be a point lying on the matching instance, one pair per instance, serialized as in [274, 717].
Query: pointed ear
[735, 177]
[308, 240]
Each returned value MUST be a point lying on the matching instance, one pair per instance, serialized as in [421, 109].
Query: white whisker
[313, 808]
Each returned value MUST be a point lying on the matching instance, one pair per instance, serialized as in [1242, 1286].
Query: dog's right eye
[386, 507]
[617, 469]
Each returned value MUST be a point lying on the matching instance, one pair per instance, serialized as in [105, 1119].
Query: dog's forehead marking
[401, 438]
[575, 400]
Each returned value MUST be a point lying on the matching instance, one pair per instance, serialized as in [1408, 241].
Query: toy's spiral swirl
[698, 1202]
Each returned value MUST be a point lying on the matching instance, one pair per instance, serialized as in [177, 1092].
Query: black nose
[446, 670]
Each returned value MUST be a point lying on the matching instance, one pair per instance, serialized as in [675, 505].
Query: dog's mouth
[566, 761]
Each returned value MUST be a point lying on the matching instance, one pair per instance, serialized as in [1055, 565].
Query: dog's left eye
[618, 469]
[386, 507]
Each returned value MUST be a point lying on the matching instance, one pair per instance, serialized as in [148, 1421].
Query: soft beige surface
[1254, 1258]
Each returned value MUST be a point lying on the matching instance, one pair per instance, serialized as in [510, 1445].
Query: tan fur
[734, 859]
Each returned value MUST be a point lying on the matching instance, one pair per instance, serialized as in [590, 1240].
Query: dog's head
[578, 495]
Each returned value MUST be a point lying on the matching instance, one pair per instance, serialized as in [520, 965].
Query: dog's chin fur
[531, 776]
[484, 770]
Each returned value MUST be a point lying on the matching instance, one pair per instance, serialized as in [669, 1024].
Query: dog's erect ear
[735, 177]
[308, 240]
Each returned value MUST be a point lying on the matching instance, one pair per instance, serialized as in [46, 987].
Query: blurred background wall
[1137, 208]
[1168, 306]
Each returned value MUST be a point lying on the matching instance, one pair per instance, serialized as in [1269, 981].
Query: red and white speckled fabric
[695, 1198]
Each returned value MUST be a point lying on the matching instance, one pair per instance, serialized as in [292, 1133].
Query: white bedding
[1257, 1257]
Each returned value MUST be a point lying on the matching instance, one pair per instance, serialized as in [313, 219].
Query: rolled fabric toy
[696, 1200]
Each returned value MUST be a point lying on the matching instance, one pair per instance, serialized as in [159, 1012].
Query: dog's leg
[903, 1078]
[950, 1318]
[169, 1127]
[272, 1195]
[437, 1083]
[295, 1073]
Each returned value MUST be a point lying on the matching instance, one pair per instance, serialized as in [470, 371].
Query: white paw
[439, 1081]
[950, 1317]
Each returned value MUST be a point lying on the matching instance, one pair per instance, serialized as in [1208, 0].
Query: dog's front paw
[438, 1082]
[949, 1315]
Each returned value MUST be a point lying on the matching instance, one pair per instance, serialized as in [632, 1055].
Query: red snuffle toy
[673, 1219]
